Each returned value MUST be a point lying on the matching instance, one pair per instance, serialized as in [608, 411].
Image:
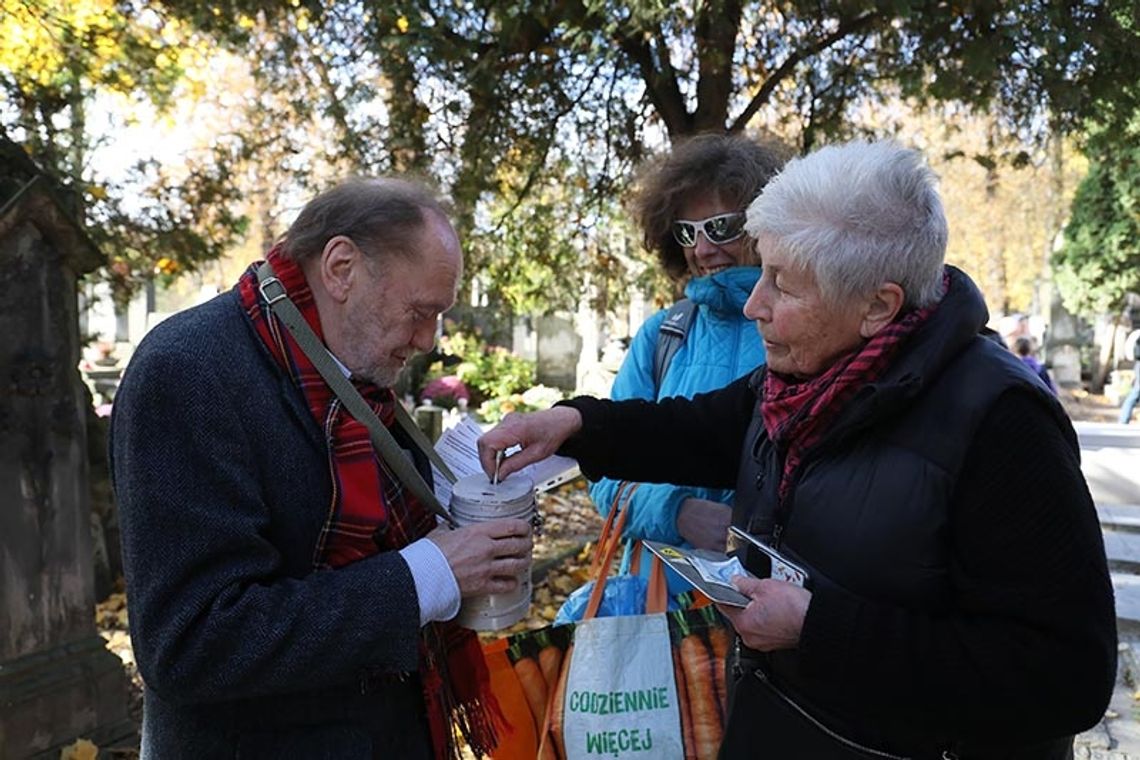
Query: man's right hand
[487, 557]
[538, 433]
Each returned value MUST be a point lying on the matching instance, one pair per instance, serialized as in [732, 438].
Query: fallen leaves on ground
[1083, 406]
[82, 749]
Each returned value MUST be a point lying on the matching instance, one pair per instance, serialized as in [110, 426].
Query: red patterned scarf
[371, 511]
[797, 416]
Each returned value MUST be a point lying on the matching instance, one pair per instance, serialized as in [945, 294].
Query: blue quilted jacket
[721, 346]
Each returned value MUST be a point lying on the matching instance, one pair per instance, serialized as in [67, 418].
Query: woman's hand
[538, 433]
[775, 616]
[704, 523]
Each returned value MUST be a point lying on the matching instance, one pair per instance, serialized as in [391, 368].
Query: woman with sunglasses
[690, 206]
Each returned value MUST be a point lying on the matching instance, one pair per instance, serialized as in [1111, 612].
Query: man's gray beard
[381, 378]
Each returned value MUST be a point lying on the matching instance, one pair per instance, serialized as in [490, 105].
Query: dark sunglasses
[719, 229]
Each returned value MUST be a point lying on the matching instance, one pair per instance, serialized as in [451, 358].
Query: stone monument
[1062, 348]
[557, 352]
[58, 682]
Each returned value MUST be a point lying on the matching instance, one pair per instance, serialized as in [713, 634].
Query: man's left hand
[775, 616]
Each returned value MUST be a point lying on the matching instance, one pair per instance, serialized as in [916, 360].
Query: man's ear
[337, 263]
[882, 309]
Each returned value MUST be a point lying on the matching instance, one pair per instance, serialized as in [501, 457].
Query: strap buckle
[270, 282]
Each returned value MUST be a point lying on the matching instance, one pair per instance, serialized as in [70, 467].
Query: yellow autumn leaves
[46, 42]
[73, 48]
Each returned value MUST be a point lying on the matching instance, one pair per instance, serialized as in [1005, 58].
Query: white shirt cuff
[436, 587]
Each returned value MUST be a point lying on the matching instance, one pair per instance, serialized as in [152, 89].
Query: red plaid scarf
[371, 511]
[797, 416]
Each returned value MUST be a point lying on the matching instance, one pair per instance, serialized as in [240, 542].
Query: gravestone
[58, 682]
[1062, 347]
[1066, 368]
[557, 352]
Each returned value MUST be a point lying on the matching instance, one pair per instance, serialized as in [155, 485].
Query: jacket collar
[959, 318]
[724, 291]
[956, 322]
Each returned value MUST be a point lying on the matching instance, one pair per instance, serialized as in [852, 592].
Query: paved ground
[1117, 736]
[1110, 459]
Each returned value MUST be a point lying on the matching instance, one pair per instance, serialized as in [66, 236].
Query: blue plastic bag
[624, 594]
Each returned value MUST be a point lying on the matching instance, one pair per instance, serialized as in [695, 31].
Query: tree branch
[661, 84]
[336, 108]
[716, 29]
[845, 29]
[547, 143]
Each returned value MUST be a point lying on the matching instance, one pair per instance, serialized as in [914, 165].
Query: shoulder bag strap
[390, 451]
[670, 335]
[609, 549]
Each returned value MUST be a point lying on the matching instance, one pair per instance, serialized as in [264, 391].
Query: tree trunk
[1106, 342]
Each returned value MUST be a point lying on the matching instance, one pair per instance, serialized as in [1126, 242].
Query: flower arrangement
[533, 399]
[485, 370]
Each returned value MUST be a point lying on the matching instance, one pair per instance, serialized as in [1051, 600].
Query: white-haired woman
[958, 601]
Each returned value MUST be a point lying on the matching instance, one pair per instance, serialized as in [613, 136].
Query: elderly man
[288, 592]
[957, 602]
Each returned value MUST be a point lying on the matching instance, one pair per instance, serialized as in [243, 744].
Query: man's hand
[486, 557]
[775, 616]
[704, 523]
[539, 433]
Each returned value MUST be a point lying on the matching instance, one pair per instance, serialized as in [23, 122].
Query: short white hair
[858, 215]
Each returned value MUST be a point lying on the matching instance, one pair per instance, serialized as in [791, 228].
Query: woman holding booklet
[959, 604]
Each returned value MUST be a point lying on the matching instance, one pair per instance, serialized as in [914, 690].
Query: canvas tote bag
[650, 685]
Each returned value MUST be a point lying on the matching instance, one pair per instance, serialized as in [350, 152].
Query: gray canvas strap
[670, 335]
[390, 451]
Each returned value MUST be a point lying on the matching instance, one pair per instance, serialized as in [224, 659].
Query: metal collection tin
[475, 499]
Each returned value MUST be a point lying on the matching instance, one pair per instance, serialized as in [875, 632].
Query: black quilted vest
[870, 506]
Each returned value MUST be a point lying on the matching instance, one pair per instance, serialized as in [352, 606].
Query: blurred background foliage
[488, 371]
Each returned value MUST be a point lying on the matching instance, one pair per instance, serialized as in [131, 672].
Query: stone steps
[1121, 527]
[1119, 517]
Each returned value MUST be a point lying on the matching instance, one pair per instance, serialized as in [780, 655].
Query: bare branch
[661, 84]
[716, 30]
[845, 29]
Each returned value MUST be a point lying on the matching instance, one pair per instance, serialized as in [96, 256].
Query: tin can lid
[478, 489]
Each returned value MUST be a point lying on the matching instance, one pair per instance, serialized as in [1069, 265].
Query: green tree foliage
[488, 371]
[533, 113]
[56, 58]
[1099, 262]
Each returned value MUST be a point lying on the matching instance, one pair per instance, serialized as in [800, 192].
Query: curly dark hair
[735, 167]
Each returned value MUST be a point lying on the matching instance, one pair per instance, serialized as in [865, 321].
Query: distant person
[1023, 347]
[958, 602]
[288, 593]
[690, 207]
[1134, 394]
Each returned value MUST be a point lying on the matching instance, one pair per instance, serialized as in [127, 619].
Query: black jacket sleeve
[695, 441]
[1030, 638]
